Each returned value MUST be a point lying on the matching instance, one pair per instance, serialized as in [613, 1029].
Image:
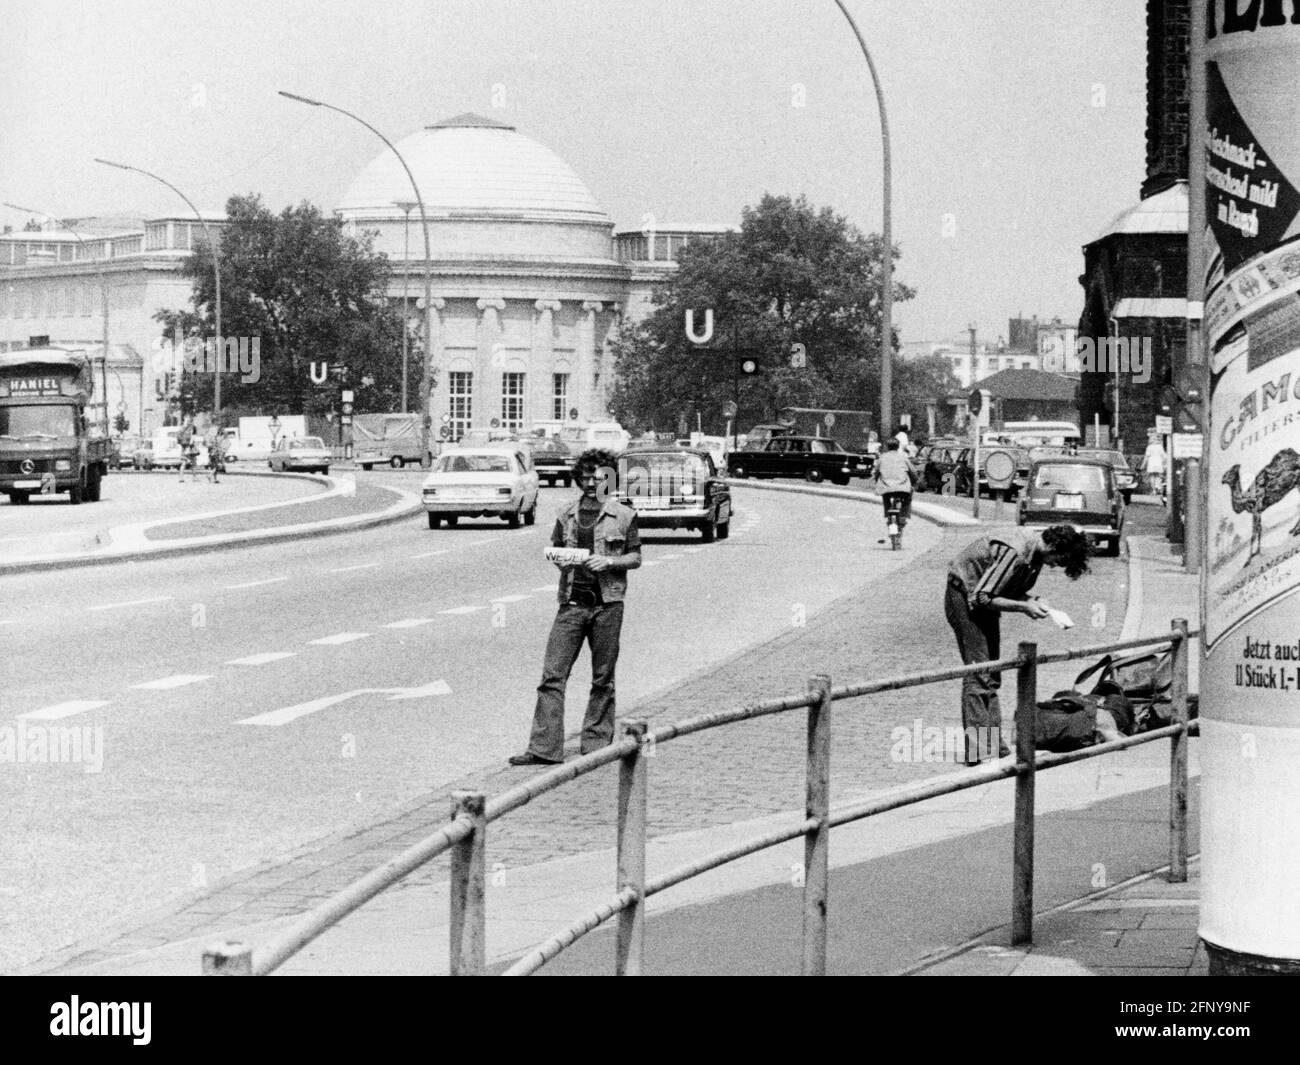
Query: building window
[512, 401]
[560, 396]
[462, 403]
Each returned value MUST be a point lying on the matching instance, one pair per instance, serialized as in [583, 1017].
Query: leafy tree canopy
[309, 292]
[793, 274]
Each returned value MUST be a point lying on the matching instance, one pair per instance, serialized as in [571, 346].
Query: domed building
[529, 279]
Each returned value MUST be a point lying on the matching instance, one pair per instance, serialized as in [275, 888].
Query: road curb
[407, 505]
[931, 512]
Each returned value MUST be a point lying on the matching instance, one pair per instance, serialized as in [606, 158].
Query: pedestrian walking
[1153, 464]
[186, 438]
[993, 576]
[212, 440]
[591, 609]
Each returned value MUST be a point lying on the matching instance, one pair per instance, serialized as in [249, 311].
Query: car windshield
[307, 441]
[1115, 458]
[663, 475]
[474, 464]
[1064, 478]
[37, 422]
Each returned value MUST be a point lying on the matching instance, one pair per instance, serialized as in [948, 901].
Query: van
[608, 435]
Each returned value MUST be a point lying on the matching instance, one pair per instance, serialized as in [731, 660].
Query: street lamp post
[887, 269]
[103, 295]
[216, 265]
[426, 375]
[405, 206]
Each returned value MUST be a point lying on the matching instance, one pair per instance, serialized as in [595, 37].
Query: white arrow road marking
[51, 713]
[409, 623]
[133, 602]
[462, 610]
[349, 569]
[291, 713]
[262, 659]
[178, 681]
[510, 598]
[339, 637]
[255, 584]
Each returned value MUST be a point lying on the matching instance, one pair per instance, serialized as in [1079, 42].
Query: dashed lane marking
[255, 584]
[430, 554]
[510, 598]
[58, 710]
[667, 558]
[338, 638]
[261, 659]
[132, 602]
[349, 569]
[409, 623]
[178, 681]
[462, 610]
[547, 588]
[291, 713]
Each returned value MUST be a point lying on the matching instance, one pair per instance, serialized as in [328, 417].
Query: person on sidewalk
[991, 576]
[187, 440]
[213, 440]
[894, 477]
[591, 609]
[1153, 464]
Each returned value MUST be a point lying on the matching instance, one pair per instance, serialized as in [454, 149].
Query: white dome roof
[473, 165]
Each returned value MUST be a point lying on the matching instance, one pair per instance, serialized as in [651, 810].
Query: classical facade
[529, 280]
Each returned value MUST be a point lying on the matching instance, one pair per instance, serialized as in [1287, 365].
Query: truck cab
[50, 438]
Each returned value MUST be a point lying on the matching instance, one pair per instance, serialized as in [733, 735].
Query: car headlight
[62, 465]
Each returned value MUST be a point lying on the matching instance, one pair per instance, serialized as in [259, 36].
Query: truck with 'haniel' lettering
[52, 438]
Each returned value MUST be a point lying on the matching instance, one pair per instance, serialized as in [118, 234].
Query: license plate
[651, 503]
[1069, 502]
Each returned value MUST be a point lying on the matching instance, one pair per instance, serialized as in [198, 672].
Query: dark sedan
[1069, 490]
[814, 458]
[675, 488]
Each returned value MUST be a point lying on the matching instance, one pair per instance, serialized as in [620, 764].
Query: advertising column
[1250, 681]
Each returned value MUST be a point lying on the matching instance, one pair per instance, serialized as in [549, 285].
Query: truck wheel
[94, 484]
[76, 494]
[814, 476]
[397, 462]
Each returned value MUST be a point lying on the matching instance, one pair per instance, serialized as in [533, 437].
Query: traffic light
[747, 364]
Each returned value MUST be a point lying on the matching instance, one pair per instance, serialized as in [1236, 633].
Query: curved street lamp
[216, 264]
[103, 295]
[426, 376]
[887, 280]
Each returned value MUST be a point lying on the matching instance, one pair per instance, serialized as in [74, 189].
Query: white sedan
[478, 482]
[306, 453]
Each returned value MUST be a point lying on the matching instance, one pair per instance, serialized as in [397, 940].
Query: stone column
[586, 358]
[605, 360]
[438, 401]
[487, 377]
[542, 364]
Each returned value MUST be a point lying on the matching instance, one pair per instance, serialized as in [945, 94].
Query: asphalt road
[247, 702]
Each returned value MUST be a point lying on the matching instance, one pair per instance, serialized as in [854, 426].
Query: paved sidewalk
[553, 860]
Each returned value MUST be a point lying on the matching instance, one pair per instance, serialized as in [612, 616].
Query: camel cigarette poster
[1254, 486]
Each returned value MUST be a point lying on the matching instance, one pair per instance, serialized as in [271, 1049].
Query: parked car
[608, 435]
[671, 487]
[122, 455]
[142, 456]
[1078, 491]
[478, 482]
[304, 453]
[946, 464]
[551, 459]
[814, 458]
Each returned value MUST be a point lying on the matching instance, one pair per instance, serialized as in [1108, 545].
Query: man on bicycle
[894, 477]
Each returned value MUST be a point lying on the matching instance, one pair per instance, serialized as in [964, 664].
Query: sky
[1016, 126]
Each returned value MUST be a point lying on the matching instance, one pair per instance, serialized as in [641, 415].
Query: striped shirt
[1001, 566]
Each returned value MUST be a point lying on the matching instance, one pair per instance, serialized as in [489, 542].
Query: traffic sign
[573, 414]
[829, 419]
[1000, 469]
[346, 397]
[1164, 424]
[346, 419]
[729, 409]
[495, 423]
[1188, 445]
[347, 406]
[446, 418]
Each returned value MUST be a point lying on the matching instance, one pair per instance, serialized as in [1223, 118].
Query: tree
[791, 275]
[918, 380]
[306, 291]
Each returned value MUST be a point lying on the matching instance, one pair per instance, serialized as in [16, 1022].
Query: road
[248, 702]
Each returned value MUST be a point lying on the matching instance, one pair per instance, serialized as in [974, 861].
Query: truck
[53, 439]
[386, 439]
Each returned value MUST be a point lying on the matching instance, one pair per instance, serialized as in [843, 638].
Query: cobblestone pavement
[366, 500]
[890, 627]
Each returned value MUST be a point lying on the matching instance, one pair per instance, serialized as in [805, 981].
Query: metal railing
[465, 834]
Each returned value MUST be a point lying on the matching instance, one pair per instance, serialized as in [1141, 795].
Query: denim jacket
[609, 538]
